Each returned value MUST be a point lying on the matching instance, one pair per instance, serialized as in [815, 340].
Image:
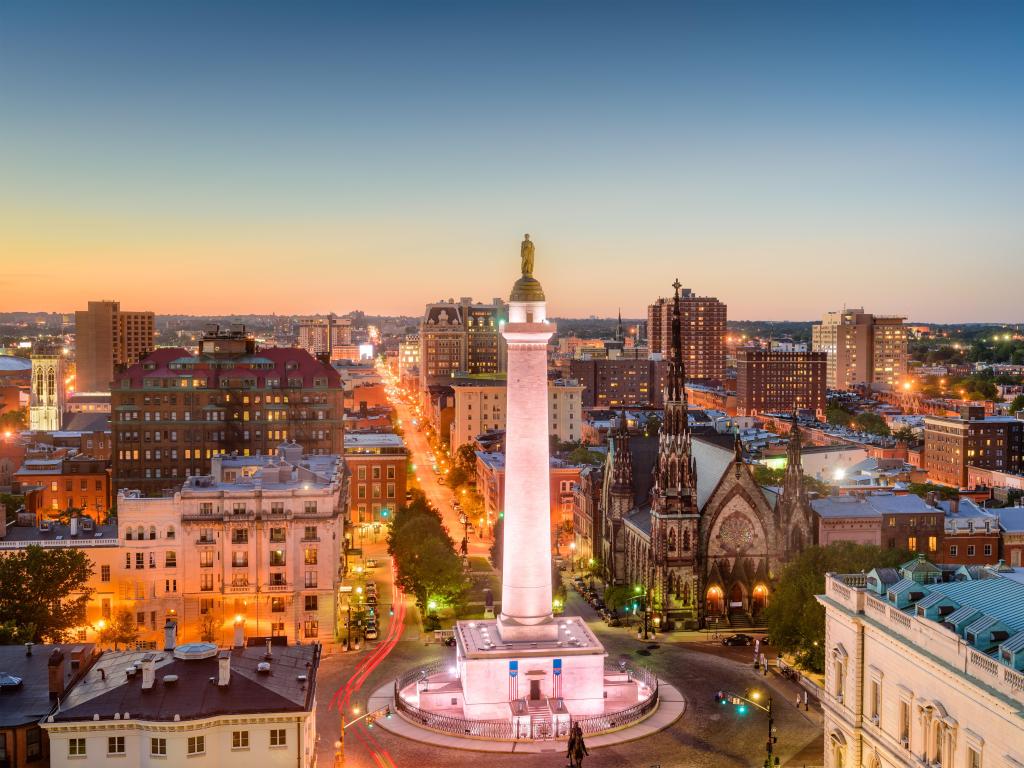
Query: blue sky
[305, 157]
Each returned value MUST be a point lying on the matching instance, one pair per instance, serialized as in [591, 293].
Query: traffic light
[720, 698]
[384, 513]
[741, 709]
[391, 610]
[387, 712]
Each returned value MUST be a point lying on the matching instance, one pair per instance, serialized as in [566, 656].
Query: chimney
[148, 671]
[224, 668]
[55, 673]
[74, 526]
[170, 634]
[954, 505]
[932, 499]
[269, 651]
[239, 633]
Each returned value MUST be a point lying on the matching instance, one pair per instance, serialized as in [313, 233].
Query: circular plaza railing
[504, 729]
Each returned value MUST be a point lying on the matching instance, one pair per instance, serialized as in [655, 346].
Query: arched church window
[686, 541]
[672, 540]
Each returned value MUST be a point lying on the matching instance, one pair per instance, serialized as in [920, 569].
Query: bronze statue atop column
[526, 254]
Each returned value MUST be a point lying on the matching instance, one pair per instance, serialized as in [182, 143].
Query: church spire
[618, 328]
[622, 465]
[675, 466]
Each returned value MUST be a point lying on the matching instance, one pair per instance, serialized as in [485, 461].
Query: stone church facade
[689, 524]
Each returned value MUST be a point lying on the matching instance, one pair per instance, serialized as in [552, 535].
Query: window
[104, 573]
[76, 747]
[988, 550]
[973, 757]
[933, 544]
[311, 556]
[206, 558]
[310, 579]
[876, 700]
[970, 550]
[140, 560]
[278, 737]
[905, 723]
[170, 559]
[277, 535]
[311, 628]
[277, 605]
[312, 602]
[239, 739]
[952, 550]
[196, 745]
[310, 533]
[240, 536]
[240, 559]
[277, 557]
[158, 747]
[912, 543]
[206, 582]
[360, 474]
[33, 744]
[115, 745]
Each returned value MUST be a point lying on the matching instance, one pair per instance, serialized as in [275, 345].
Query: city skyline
[789, 161]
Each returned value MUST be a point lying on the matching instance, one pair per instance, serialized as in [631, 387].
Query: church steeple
[675, 470]
[618, 328]
[792, 484]
[622, 463]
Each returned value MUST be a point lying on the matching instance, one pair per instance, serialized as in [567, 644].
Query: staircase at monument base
[541, 726]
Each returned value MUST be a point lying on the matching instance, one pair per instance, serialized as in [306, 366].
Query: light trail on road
[365, 668]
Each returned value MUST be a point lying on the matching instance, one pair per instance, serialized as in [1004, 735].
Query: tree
[12, 634]
[796, 621]
[871, 423]
[425, 560]
[1017, 404]
[208, 629]
[46, 589]
[617, 597]
[14, 420]
[465, 459]
[942, 491]
[11, 503]
[653, 425]
[838, 415]
[905, 435]
[767, 475]
[583, 455]
[120, 629]
[498, 543]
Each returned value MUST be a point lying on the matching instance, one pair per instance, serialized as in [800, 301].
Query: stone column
[526, 558]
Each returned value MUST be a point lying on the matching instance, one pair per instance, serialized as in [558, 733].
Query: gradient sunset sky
[306, 157]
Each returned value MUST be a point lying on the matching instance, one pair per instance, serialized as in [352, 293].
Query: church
[683, 518]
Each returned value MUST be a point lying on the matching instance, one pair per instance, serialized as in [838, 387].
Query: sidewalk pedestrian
[807, 706]
[798, 700]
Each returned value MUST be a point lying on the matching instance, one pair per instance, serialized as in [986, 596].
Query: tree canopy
[424, 554]
[120, 630]
[796, 621]
[46, 589]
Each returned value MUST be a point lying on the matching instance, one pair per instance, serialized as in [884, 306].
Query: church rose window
[736, 533]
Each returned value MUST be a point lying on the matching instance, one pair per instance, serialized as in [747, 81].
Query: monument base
[510, 630]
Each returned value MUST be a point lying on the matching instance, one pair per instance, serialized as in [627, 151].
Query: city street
[424, 477]
[708, 735]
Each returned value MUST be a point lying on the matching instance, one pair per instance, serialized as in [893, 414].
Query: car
[371, 598]
[614, 621]
[371, 587]
[738, 639]
[371, 633]
[371, 563]
[766, 640]
[450, 641]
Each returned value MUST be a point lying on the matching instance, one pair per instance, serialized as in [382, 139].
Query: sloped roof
[712, 462]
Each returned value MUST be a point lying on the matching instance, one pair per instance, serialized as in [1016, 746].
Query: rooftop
[870, 505]
[30, 702]
[478, 639]
[59, 535]
[187, 689]
[362, 442]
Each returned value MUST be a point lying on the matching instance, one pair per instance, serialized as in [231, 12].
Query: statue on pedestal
[526, 254]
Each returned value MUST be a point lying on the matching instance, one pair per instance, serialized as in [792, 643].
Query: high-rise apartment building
[952, 444]
[620, 382]
[702, 329]
[174, 411]
[46, 399]
[780, 382]
[461, 337]
[861, 348]
[107, 339]
[320, 335]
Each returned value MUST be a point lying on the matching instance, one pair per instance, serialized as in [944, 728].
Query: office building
[620, 383]
[862, 348]
[107, 339]
[702, 329]
[322, 335]
[174, 411]
[779, 382]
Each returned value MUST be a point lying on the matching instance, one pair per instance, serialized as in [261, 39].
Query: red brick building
[378, 466]
[55, 485]
[951, 444]
[779, 382]
[173, 411]
[702, 328]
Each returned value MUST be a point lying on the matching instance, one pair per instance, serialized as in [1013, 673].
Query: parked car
[766, 640]
[371, 598]
[738, 639]
[450, 641]
[371, 633]
[371, 563]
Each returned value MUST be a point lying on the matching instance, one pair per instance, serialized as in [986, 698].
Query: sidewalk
[671, 706]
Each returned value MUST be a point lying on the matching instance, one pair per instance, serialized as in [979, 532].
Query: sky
[788, 158]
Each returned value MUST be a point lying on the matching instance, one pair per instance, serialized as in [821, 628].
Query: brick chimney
[55, 673]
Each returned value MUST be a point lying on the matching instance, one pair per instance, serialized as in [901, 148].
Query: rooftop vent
[169, 679]
[263, 667]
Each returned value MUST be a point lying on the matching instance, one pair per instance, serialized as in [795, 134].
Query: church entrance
[714, 602]
[535, 690]
[760, 601]
[736, 599]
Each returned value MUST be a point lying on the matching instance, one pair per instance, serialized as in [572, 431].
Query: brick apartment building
[952, 443]
[779, 382]
[861, 348]
[620, 383]
[174, 411]
[702, 328]
[378, 466]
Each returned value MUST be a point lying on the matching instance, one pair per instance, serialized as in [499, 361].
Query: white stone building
[196, 705]
[923, 667]
[260, 540]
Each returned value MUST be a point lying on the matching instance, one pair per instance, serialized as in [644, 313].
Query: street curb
[671, 707]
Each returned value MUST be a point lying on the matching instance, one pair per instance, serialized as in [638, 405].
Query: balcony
[237, 588]
[278, 587]
[203, 541]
